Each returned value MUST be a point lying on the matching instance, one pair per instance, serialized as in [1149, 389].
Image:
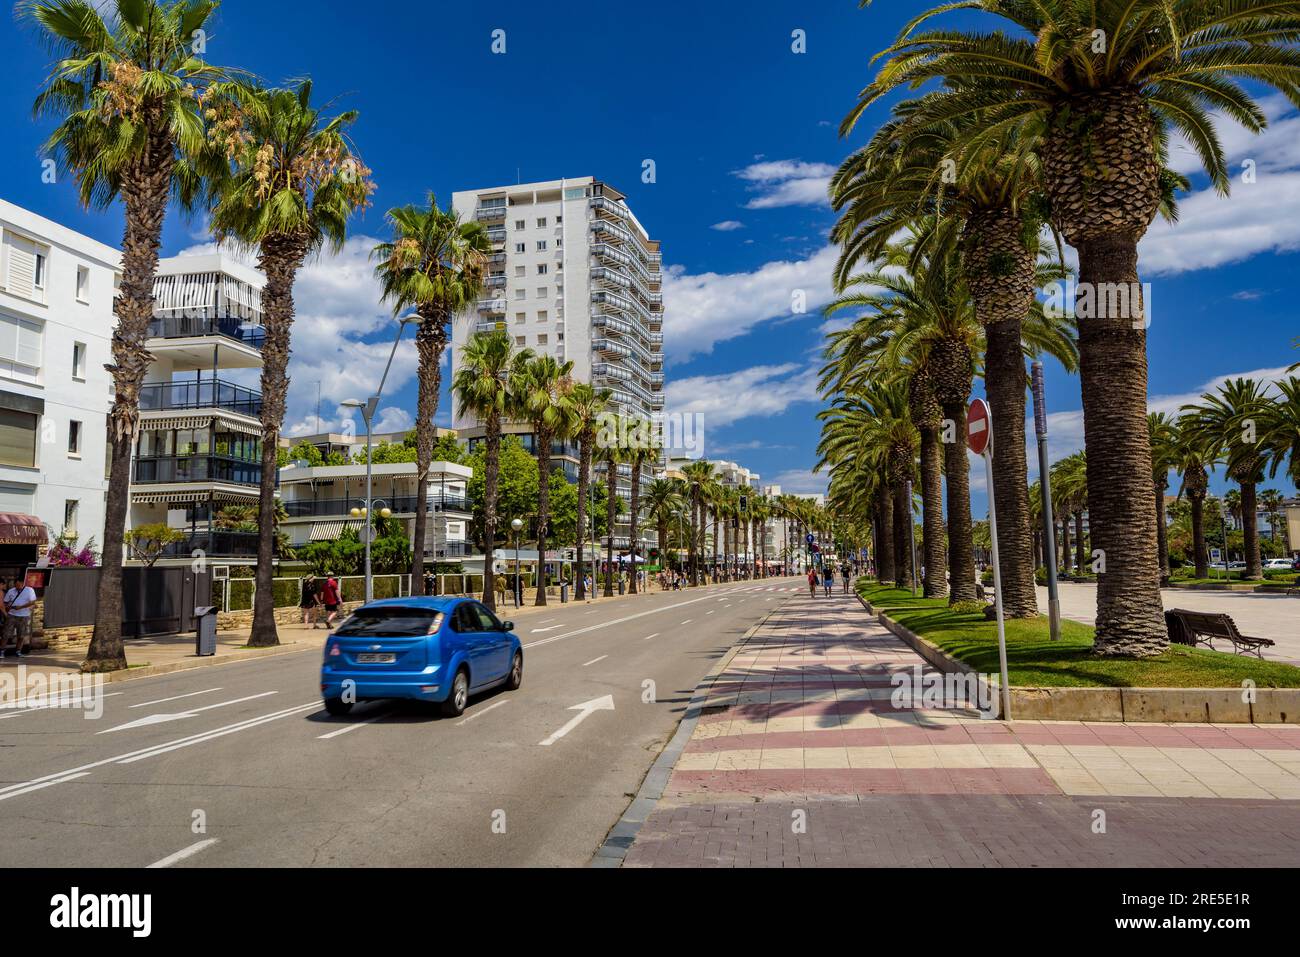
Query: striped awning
[328, 531]
[191, 498]
[17, 529]
[223, 422]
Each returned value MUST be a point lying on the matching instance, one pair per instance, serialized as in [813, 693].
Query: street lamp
[367, 410]
[518, 526]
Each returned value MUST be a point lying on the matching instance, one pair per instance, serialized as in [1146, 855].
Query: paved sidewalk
[800, 725]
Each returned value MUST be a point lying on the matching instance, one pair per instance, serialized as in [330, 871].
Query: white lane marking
[648, 637]
[61, 779]
[706, 614]
[608, 624]
[209, 735]
[152, 719]
[179, 856]
[538, 631]
[42, 704]
[585, 711]
[479, 713]
[686, 622]
[594, 660]
[192, 694]
[351, 727]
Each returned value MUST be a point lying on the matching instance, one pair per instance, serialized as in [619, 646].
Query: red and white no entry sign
[979, 427]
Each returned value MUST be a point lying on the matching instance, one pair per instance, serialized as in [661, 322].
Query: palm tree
[1280, 435]
[127, 91]
[613, 455]
[1192, 459]
[1228, 422]
[639, 453]
[1101, 85]
[587, 406]
[433, 264]
[1070, 488]
[542, 393]
[294, 183]
[1164, 457]
[484, 385]
[1271, 501]
[700, 476]
[663, 504]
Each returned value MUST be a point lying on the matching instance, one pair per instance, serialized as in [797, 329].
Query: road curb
[621, 836]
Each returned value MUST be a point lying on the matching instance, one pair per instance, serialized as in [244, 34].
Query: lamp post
[518, 526]
[1045, 486]
[368, 409]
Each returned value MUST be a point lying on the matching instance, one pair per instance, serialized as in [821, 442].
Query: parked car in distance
[1279, 564]
[439, 650]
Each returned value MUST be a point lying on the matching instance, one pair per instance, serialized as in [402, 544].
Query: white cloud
[732, 396]
[705, 309]
[787, 183]
[728, 225]
[800, 482]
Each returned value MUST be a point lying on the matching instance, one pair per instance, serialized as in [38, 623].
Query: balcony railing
[489, 213]
[178, 396]
[160, 470]
[215, 544]
[401, 505]
[449, 550]
[496, 307]
[191, 327]
[496, 282]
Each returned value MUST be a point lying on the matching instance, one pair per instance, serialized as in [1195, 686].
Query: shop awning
[328, 531]
[16, 529]
[199, 497]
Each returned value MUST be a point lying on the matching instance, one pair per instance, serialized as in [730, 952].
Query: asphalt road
[239, 766]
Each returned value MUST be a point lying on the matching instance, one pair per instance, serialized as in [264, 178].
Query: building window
[83, 284]
[519, 224]
[520, 318]
[559, 244]
[543, 316]
[521, 247]
[521, 294]
[20, 348]
[18, 439]
[541, 245]
[70, 508]
[541, 292]
[79, 360]
[541, 222]
[521, 271]
[521, 341]
[74, 439]
[558, 220]
[542, 339]
[541, 269]
[26, 266]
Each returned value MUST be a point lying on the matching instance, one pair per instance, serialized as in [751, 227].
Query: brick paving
[800, 758]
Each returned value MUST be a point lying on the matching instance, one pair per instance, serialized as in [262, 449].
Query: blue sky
[742, 132]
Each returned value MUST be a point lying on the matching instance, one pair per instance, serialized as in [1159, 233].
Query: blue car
[439, 650]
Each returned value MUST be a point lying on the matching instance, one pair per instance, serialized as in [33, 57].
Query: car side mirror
[507, 626]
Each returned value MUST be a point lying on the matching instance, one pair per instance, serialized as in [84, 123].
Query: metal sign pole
[997, 586]
[911, 534]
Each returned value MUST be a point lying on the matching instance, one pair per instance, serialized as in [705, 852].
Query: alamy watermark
[34, 690]
[935, 690]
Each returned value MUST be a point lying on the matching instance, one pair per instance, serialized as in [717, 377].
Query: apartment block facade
[56, 327]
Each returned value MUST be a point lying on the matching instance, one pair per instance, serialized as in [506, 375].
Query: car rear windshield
[388, 622]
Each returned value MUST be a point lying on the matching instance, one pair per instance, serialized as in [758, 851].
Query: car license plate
[369, 659]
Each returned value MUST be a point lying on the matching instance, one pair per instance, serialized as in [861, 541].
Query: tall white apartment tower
[575, 275]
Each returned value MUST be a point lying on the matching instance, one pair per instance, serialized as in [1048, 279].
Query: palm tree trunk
[145, 197]
[635, 523]
[692, 554]
[611, 514]
[936, 558]
[1162, 533]
[885, 571]
[1113, 376]
[584, 490]
[430, 341]
[544, 439]
[902, 552]
[961, 548]
[1065, 562]
[717, 534]
[1250, 531]
[1200, 551]
[491, 481]
[1080, 543]
[280, 259]
[1004, 376]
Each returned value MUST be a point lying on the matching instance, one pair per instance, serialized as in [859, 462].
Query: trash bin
[205, 624]
[622, 587]
[564, 593]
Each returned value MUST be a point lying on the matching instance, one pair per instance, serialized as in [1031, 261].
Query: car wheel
[516, 676]
[455, 704]
[337, 706]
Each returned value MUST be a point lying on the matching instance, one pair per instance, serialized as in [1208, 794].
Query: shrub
[969, 607]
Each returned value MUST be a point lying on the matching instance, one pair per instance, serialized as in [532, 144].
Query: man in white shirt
[18, 624]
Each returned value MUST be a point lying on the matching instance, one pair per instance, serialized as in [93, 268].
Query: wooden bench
[1202, 627]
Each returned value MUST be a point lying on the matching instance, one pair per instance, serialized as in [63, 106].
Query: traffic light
[744, 503]
[654, 556]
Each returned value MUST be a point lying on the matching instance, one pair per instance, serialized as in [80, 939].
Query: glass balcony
[401, 505]
[177, 469]
[192, 327]
[487, 213]
[206, 394]
[214, 544]
[496, 307]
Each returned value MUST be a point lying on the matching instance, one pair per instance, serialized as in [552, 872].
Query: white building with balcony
[320, 501]
[575, 275]
[56, 328]
[198, 461]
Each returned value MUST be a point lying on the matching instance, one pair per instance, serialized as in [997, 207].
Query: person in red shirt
[329, 597]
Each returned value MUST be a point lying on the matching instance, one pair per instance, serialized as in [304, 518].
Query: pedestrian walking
[812, 582]
[18, 602]
[329, 596]
[828, 580]
[847, 573]
[307, 602]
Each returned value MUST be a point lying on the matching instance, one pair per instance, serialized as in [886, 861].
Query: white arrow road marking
[178, 697]
[50, 704]
[594, 660]
[482, 711]
[164, 718]
[585, 711]
[181, 855]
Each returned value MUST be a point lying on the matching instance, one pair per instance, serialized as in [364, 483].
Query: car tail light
[333, 651]
[435, 624]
